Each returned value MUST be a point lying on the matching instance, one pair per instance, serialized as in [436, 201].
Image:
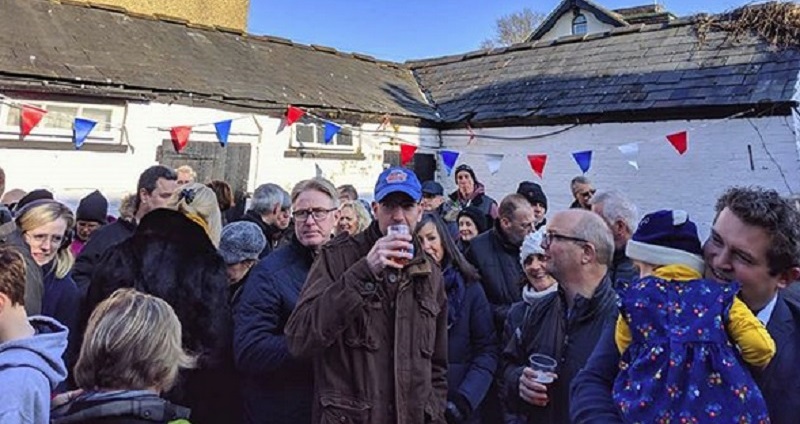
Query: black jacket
[100, 241]
[171, 257]
[622, 269]
[547, 329]
[277, 388]
[498, 262]
[269, 231]
[133, 407]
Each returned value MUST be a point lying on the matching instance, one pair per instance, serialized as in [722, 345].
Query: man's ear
[789, 276]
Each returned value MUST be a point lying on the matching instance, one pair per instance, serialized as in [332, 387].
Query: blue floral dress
[681, 366]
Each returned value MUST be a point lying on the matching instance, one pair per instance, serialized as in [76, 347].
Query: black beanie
[533, 192]
[467, 168]
[93, 207]
[477, 216]
[40, 194]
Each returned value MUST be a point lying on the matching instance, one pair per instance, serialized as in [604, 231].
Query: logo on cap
[395, 177]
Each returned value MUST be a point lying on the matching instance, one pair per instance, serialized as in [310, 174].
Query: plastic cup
[544, 366]
[400, 229]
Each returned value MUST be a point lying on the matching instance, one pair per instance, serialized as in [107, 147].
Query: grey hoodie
[30, 369]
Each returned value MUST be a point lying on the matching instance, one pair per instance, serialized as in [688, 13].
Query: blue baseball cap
[393, 180]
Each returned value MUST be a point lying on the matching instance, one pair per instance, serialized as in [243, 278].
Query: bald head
[589, 226]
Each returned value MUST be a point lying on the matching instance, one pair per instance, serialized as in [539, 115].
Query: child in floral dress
[678, 334]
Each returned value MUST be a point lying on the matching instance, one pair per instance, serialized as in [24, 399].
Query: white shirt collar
[766, 312]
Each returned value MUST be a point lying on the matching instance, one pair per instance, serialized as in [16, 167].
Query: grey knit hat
[241, 241]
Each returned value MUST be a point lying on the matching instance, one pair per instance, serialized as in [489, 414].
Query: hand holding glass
[544, 366]
[401, 229]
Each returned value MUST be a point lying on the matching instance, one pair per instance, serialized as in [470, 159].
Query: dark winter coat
[277, 388]
[622, 269]
[118, 407]
[171, 257]
[570, 340]
[62, 302]
[379, 345]
[100, 241]
[270, 231]
[472, 353]
[498, 262]
[34, 287]
[779, 381]
[478, 199]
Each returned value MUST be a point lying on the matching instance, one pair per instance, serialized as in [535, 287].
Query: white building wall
[717, 158]
[563, 26]
[72, 174]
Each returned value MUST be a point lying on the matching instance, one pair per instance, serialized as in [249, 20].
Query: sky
[400, 30]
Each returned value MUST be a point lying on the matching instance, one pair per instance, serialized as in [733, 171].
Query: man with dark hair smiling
[755, 240]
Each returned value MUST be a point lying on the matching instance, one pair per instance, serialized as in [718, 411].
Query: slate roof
[628, 69]
[111, 50]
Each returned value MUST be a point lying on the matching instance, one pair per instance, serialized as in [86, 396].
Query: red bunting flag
[679, 141]
[537, 164]
[406, 153]
[31, 116]
[293, 114]
[180, 137]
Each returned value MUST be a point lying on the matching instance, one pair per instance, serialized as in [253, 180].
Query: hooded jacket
[30, 369]
[171, 257]
[119, 407]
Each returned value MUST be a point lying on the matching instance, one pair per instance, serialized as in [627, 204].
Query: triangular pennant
[407, 153]
[471, 133]
[631, 153]
[318, 170]
[493, 163]
[384, 123]
[537, 164]
[223, 130]
[31, 116]
[679, 141]
[180, 137]
[331, 130]
[293, 114]
[449, 159]
[80, 130]
[584, 160]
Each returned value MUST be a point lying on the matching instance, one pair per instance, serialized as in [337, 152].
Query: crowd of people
[315, 306]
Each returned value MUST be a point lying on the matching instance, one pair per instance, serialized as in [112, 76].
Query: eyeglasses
[548, 238]
[40, 239]
[587, 193]
[317, 213]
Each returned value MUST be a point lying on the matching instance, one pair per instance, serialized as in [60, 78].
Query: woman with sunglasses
[472, 343]
[45, 228]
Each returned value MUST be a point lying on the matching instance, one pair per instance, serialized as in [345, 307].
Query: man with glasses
[278, 388]
[755, 240]
[582, 191]
[566, 324]
[496, 255]
[373, 318]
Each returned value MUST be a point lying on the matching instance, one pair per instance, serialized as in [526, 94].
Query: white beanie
[532, 245]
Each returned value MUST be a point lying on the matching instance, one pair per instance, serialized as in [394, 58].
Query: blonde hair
[41, 213]
[318, 184]
[186, 169]
[195, 200]
[362, 216]
[132, 342]
[127, 207]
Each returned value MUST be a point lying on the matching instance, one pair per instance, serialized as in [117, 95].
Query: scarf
[529, 295]
[456, 290]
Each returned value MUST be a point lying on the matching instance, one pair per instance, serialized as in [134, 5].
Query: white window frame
[319, 144]
[101, 133]
[584, 24]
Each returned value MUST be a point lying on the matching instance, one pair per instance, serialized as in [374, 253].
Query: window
[57, 123]
[311, 135]
[579, 25]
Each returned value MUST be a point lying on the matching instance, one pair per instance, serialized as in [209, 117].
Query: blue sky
[414, 29]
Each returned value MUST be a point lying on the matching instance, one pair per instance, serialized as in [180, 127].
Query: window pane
[344, 138]
[304, 133]
[321, 134]
[101, 116]
[13, 117]
[60, 117]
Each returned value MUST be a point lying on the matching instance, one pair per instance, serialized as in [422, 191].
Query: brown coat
[368, 367]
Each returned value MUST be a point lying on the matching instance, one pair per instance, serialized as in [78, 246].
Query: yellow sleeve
[622, 335]
[750, 335]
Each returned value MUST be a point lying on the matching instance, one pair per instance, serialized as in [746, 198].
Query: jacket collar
[780, 325]
[501, 238]
[583, 308]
